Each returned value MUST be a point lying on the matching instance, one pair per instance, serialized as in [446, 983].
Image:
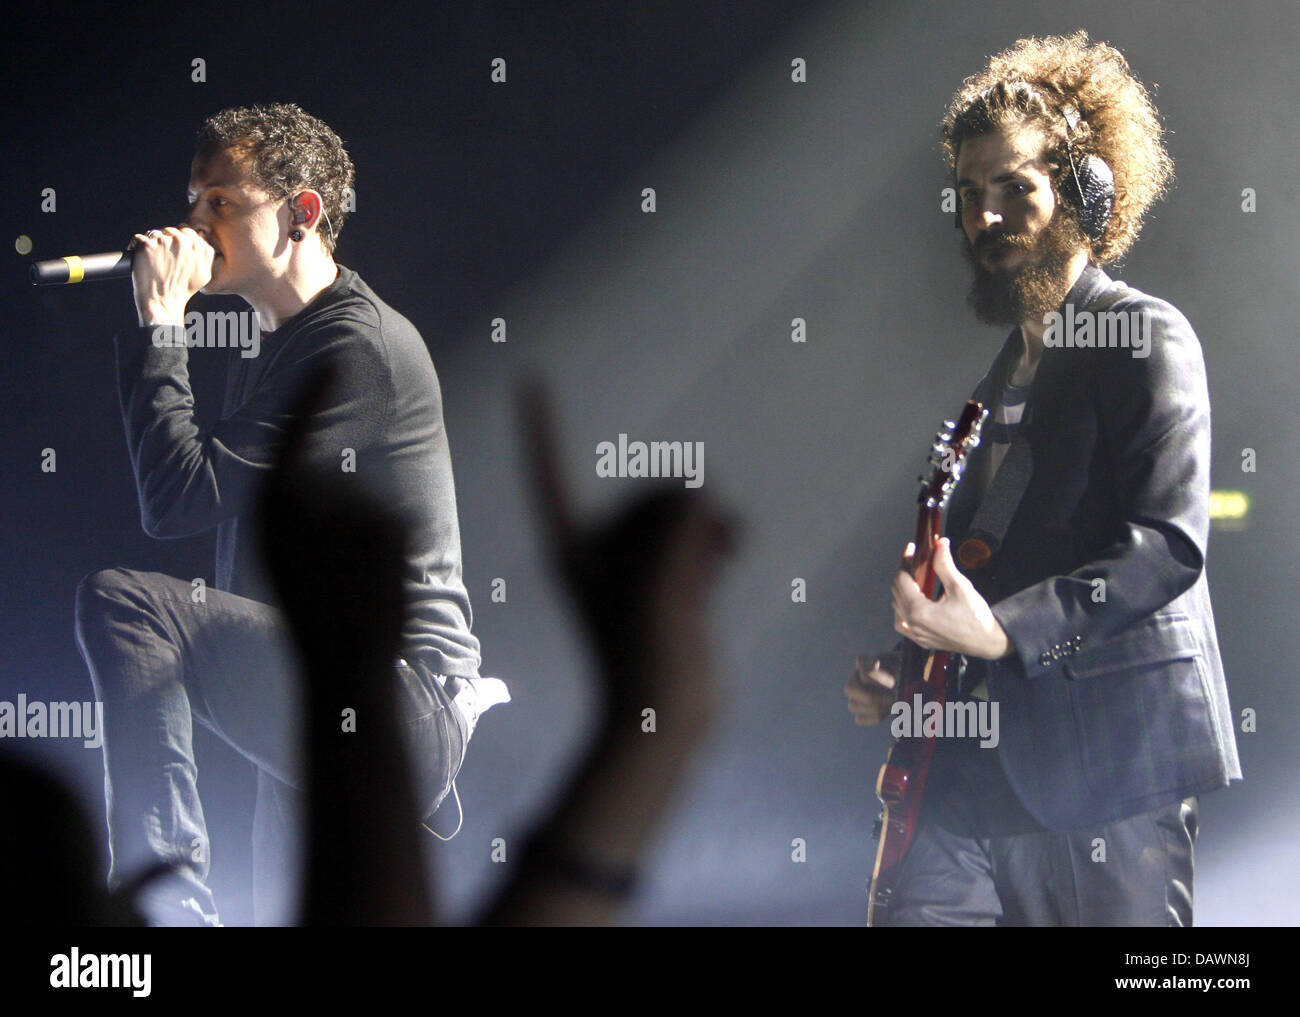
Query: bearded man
[1074, 565]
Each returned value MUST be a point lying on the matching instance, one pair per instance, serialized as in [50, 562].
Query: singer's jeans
[161, 653]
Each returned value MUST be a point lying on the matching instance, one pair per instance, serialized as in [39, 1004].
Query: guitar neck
[927, 533]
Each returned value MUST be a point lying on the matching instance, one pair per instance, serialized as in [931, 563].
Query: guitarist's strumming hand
[873, 688]
[959, 621]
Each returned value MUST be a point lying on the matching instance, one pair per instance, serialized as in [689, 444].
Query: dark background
[775, 200]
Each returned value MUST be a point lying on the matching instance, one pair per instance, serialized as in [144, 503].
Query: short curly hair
[1032, 83]
[285, 149]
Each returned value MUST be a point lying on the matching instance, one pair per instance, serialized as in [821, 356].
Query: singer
[267, 194]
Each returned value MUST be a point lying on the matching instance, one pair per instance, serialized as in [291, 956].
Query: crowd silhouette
[639, 579]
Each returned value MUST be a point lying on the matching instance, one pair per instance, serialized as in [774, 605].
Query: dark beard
[999, 297]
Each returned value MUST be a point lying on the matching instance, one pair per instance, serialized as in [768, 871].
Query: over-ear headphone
[1093, 180]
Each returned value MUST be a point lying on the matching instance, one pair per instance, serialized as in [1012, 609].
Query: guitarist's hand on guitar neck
[959, 621]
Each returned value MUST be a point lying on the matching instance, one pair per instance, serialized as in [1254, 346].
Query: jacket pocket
[1143, 713]
[1159, 639]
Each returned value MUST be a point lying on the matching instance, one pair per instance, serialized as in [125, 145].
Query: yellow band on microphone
[76, 271]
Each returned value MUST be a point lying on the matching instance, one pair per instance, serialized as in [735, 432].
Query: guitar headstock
[948, 454]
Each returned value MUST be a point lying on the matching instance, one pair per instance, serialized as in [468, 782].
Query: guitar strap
[998, 506]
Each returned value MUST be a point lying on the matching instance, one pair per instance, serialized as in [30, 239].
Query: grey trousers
[978, 858]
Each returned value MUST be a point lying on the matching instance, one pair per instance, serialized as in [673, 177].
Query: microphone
[83, 268]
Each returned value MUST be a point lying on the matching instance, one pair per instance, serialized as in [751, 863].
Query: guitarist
[1073, 574]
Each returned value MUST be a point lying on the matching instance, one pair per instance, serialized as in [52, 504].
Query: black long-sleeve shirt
[386, 407]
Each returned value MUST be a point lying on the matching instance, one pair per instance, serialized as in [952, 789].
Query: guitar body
[900, 785]
[931, 676]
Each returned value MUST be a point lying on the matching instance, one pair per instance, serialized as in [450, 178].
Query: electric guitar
[931, 675]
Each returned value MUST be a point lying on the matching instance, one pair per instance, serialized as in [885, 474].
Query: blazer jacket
[1113, 701]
